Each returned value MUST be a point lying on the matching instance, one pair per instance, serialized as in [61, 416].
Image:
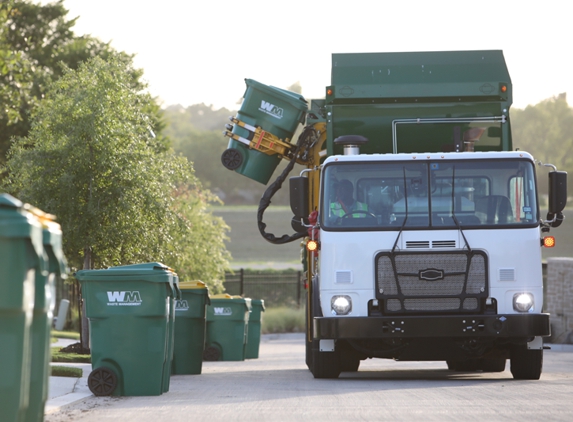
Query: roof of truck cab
[432, 156]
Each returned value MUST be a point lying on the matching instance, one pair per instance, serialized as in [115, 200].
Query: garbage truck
[421, 224]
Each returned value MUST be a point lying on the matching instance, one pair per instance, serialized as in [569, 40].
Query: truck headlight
[341, 305]
[523, 302]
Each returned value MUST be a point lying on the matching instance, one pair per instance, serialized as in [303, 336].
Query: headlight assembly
[523, 302]
[341, 305]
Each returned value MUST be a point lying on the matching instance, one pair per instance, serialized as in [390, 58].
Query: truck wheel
[492, 365]
[325, 364]
[468, 365]
[349, 362]
[526, 364]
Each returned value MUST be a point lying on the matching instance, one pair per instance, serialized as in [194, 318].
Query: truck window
[435, 194]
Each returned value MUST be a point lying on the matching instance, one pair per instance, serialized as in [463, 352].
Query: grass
[283, 320]
[58, 356]
[66, 371]
[70, 335]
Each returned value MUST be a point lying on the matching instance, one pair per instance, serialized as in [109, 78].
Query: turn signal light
[312, 245]
[329, 91]
[549, 241]
[503, 88]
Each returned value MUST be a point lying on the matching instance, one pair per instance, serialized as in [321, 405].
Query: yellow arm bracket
[259, 139]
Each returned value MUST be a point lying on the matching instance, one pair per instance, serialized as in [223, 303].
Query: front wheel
[526, 364]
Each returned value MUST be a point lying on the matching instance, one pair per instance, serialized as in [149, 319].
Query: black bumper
[492, 326]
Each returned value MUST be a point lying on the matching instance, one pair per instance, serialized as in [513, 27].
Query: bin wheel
[232, 158]
[102, 381]
[211, 354]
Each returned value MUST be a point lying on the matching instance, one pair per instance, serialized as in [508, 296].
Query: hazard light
[312, 245]
[549, 241]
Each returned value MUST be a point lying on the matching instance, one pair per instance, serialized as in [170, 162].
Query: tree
[34, 41]
[546, 131]
[92, 159]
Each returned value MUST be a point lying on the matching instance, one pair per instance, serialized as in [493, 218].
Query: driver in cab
[345, 206]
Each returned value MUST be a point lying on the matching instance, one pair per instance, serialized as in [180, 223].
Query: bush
[283, 320]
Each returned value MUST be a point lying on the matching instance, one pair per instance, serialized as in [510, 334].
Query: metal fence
[275, 288]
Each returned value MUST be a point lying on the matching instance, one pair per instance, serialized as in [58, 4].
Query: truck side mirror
[557, 191]
[299, 196]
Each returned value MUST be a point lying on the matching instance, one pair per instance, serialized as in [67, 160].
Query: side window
[520, 200]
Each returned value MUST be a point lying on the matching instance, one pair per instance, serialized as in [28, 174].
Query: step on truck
[421, 224]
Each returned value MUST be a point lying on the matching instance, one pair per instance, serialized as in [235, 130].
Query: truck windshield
[431, 194]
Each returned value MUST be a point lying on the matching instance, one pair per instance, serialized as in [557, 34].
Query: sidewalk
[63, 391]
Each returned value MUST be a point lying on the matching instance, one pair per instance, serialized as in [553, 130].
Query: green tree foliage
[34, 41]
[546, 131]
[92, 159]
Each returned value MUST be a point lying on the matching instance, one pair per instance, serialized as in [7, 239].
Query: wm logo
[271, 109]
[222, 311]
[181, 305]
[124, 298]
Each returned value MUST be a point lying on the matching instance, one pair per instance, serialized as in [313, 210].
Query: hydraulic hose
[303, 140]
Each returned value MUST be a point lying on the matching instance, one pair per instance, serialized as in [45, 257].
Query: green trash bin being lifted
[130, 310]
[276, 111]
[20, 258]
[227, 328]
[189, 338]
[255, 328]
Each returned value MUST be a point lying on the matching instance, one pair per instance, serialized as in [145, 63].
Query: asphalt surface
[73, 395]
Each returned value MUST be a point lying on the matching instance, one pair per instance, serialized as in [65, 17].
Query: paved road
[278, 387]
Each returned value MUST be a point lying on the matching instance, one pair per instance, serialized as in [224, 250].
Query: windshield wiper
[458, 225]
[405, 209]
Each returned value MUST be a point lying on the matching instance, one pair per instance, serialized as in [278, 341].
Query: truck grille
[414, 282]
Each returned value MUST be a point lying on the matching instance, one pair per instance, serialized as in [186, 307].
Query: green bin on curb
[130, 311]
[189, 338]
[21, 254]
[276, 111]
[56, 269]
[227, 325]
[255, 328]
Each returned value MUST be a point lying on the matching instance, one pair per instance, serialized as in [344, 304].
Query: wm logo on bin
[124, 298]
[220, 311]
[271, 109]
[181, 305]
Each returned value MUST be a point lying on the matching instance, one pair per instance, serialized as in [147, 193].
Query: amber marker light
[329, 91]
[504, 88]
[312, 245]
[549, 241]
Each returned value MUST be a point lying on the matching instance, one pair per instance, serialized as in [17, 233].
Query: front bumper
[492, 326]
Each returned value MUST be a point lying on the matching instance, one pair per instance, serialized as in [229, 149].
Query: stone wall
[559, 298]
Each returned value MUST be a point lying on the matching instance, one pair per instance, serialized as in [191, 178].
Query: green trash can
[130, 311]
[20, 258]
[189, 336]
[276, 111]
[255, 328]
[227, 325]
[55, 264]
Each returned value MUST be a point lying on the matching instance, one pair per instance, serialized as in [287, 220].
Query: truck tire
[468, 365]
[349, 362]
[492, 365]
[526, 364]
[325, 364]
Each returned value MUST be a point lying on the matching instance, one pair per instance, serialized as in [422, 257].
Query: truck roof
[487, 155]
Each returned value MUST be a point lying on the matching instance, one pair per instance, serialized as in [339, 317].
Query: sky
[201, 51]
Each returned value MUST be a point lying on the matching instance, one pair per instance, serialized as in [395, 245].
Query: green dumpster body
[55, 264]
[275, 110]
[130, 311]
[255, 328]
[189, 338]
[20, 258]
[227, 328]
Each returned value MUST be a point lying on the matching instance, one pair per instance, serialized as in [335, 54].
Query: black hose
[275, 186]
